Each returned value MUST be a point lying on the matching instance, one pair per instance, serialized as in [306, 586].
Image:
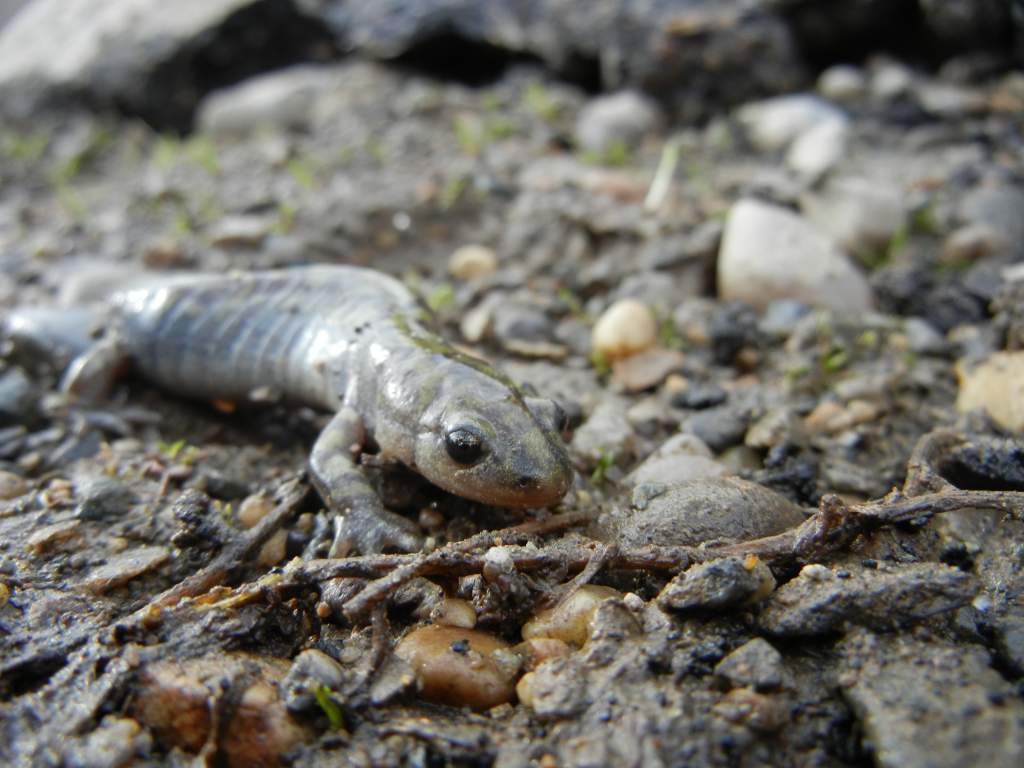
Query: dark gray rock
[720, 427]
[822, 600]
[717, 585]
[930, 704]
[18, 398]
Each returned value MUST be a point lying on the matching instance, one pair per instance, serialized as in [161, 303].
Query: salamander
[357, 343]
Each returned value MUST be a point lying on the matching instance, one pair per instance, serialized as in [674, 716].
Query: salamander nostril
[525, 481]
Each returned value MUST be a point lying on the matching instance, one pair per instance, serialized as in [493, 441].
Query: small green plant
[469, 134]
[572, 301]
[538, 99]
[329, 707]
[602, 365]
[616, 155]
[375, 148]
[170, 451]
[453, 191]
[26, 147]
[835, 360]
[285, 217]
[203, 152]
[668, 335]
[301, 170]
[441, 298]
[604, 463]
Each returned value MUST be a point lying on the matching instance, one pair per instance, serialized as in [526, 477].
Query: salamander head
[500, 450]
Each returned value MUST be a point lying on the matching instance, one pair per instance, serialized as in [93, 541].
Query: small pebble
[626, 327]
[274, 549]
[472, 262]
[123, 567]
[454, 612]
[569, 621]
[460, 667]
[645, 370]
[995, 386]
[11, 486]
[842, 83]
[253, 509]
[50, 537]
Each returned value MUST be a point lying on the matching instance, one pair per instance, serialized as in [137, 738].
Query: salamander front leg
[364, 523]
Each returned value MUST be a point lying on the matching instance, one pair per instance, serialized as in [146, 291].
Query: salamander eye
[464, 444]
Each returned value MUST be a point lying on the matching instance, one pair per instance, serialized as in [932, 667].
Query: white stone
[282, 99]
[770, 253]
[624, 117]
[890, 80]
[995, 386]
[818, 149]
[773, 123]
[842, 83]
[471, 262]
[628, 326]
[857, 213]
[65, 42]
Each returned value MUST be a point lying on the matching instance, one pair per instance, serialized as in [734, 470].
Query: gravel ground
[788, 330]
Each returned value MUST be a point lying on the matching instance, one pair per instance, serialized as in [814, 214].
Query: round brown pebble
[569, 621]
[460, 667]
[11, 486]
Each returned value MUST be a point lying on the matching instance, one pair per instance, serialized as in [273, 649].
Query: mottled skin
[351, 341]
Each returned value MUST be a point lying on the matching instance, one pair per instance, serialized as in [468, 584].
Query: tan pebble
[674, 383]
[995, 386]
[253, 509]
[58, 493]
[31, 461]
[305, 523]
[539, 649]
[323, 610]
[5, 594]
[123, 567]
[274, 549]
[454, 612]
[646, 369]
[50, 537]
[11, 486]
[460, 667]
[431, 519]
[972, 243]
[823, 416]
[162, 254]
[569, 621]
[174, 701]
[548, 760]
[471, 262]
[118, 544]
[628, 326]
[754, 710]
[524, 688]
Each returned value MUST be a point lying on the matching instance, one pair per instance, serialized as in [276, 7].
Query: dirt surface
[796, 533]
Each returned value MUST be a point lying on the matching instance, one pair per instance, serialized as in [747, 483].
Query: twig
[418, 565]
[291, 495]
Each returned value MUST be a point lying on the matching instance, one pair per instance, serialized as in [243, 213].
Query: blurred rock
[857, 213]
[678, 460]
[622, 119]
[280, 100]
[774, 123]
[755, 664]
[818, 149]
[771, 253]
[996, 386]
[625, 328]
[997, 207]
[842, 83]
[472, 262]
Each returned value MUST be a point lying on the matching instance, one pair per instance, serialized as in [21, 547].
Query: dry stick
[832, 527]
[237, 552]
[418, 565]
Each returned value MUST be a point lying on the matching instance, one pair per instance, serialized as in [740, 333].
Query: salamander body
[355, 342]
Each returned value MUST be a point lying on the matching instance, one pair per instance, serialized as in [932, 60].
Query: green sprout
[442, 297]
[329, 707]
[604, 463]
[538, 99]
